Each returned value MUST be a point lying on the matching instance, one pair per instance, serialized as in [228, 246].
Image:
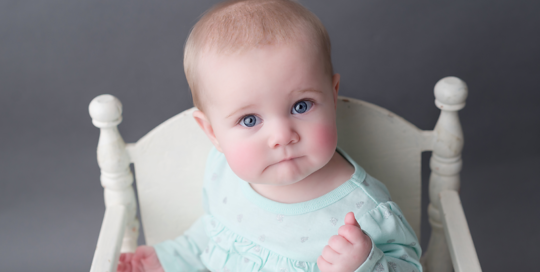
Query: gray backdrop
[55, 56]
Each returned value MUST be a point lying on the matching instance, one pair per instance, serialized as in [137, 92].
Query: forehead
[262, 70]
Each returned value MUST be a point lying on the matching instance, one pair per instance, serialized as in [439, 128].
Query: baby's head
[261, 75]
[234, 27]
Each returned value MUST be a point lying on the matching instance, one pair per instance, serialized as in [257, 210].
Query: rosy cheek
[325, 136]
[243, 160]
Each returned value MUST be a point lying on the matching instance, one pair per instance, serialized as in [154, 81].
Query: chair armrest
[457, 233]
[110, 239]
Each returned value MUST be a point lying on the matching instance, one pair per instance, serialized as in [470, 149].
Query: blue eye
[249, 121]
[301, 106]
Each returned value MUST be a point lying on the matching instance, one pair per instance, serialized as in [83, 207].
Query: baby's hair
[238, 25]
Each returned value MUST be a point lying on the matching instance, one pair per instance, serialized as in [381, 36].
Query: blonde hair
[238, 25]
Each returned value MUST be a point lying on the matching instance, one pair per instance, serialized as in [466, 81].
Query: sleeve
[183, 253]
[394, 246]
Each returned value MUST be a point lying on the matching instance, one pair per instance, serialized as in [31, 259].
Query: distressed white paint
[457, 233]
[169, 163]
[110, 239]
[116, 179]
[445, 164]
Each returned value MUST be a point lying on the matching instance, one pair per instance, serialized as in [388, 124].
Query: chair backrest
[169, 164]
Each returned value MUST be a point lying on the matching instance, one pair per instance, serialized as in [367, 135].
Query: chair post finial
[445, 164]
[450, 94]
[113, 160]
[106, 111]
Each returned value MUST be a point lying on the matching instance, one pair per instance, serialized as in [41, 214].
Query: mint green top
[244, 231]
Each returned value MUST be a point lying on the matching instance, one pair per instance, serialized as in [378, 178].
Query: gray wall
[55, 56]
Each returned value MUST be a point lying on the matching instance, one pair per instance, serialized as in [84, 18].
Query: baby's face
[271, 112]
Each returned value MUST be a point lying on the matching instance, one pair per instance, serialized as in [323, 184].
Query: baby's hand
[143, 260]
[348, 250]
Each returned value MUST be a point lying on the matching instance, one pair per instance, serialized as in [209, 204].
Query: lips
[288, 159]
[284, 160]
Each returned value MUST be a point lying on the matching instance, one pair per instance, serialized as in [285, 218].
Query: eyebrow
[309, 90]
[296, 91]
[240, 109]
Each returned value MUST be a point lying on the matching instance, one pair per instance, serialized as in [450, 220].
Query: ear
[206, 126]
[335, 88]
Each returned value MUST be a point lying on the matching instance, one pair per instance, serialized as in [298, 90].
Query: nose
[282, 133]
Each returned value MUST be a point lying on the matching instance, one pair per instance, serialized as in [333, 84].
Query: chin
[278, 179]
[289, 178]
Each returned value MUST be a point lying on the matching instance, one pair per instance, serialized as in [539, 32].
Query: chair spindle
[113, 160]
[445, 164]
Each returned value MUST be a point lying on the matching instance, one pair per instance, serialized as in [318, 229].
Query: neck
[336, 172]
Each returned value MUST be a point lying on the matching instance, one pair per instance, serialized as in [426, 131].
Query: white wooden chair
[169, 162]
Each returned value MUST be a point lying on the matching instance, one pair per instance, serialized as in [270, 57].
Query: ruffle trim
[228, 252]
[392, 227]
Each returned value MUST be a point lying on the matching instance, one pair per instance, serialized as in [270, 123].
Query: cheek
[325, 136]
[244, 160]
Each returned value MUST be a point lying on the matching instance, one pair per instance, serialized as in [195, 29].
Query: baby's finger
[323, 264]
[142, 252]
[351, 220]
[124, 267]
[151, 263]
[330, 255]
[340, 244]
[126, 257]
[353, 234]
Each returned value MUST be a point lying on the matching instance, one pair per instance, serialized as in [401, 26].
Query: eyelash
[304, 100]
[239, 122]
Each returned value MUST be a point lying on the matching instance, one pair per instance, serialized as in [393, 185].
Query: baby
[279, 194]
